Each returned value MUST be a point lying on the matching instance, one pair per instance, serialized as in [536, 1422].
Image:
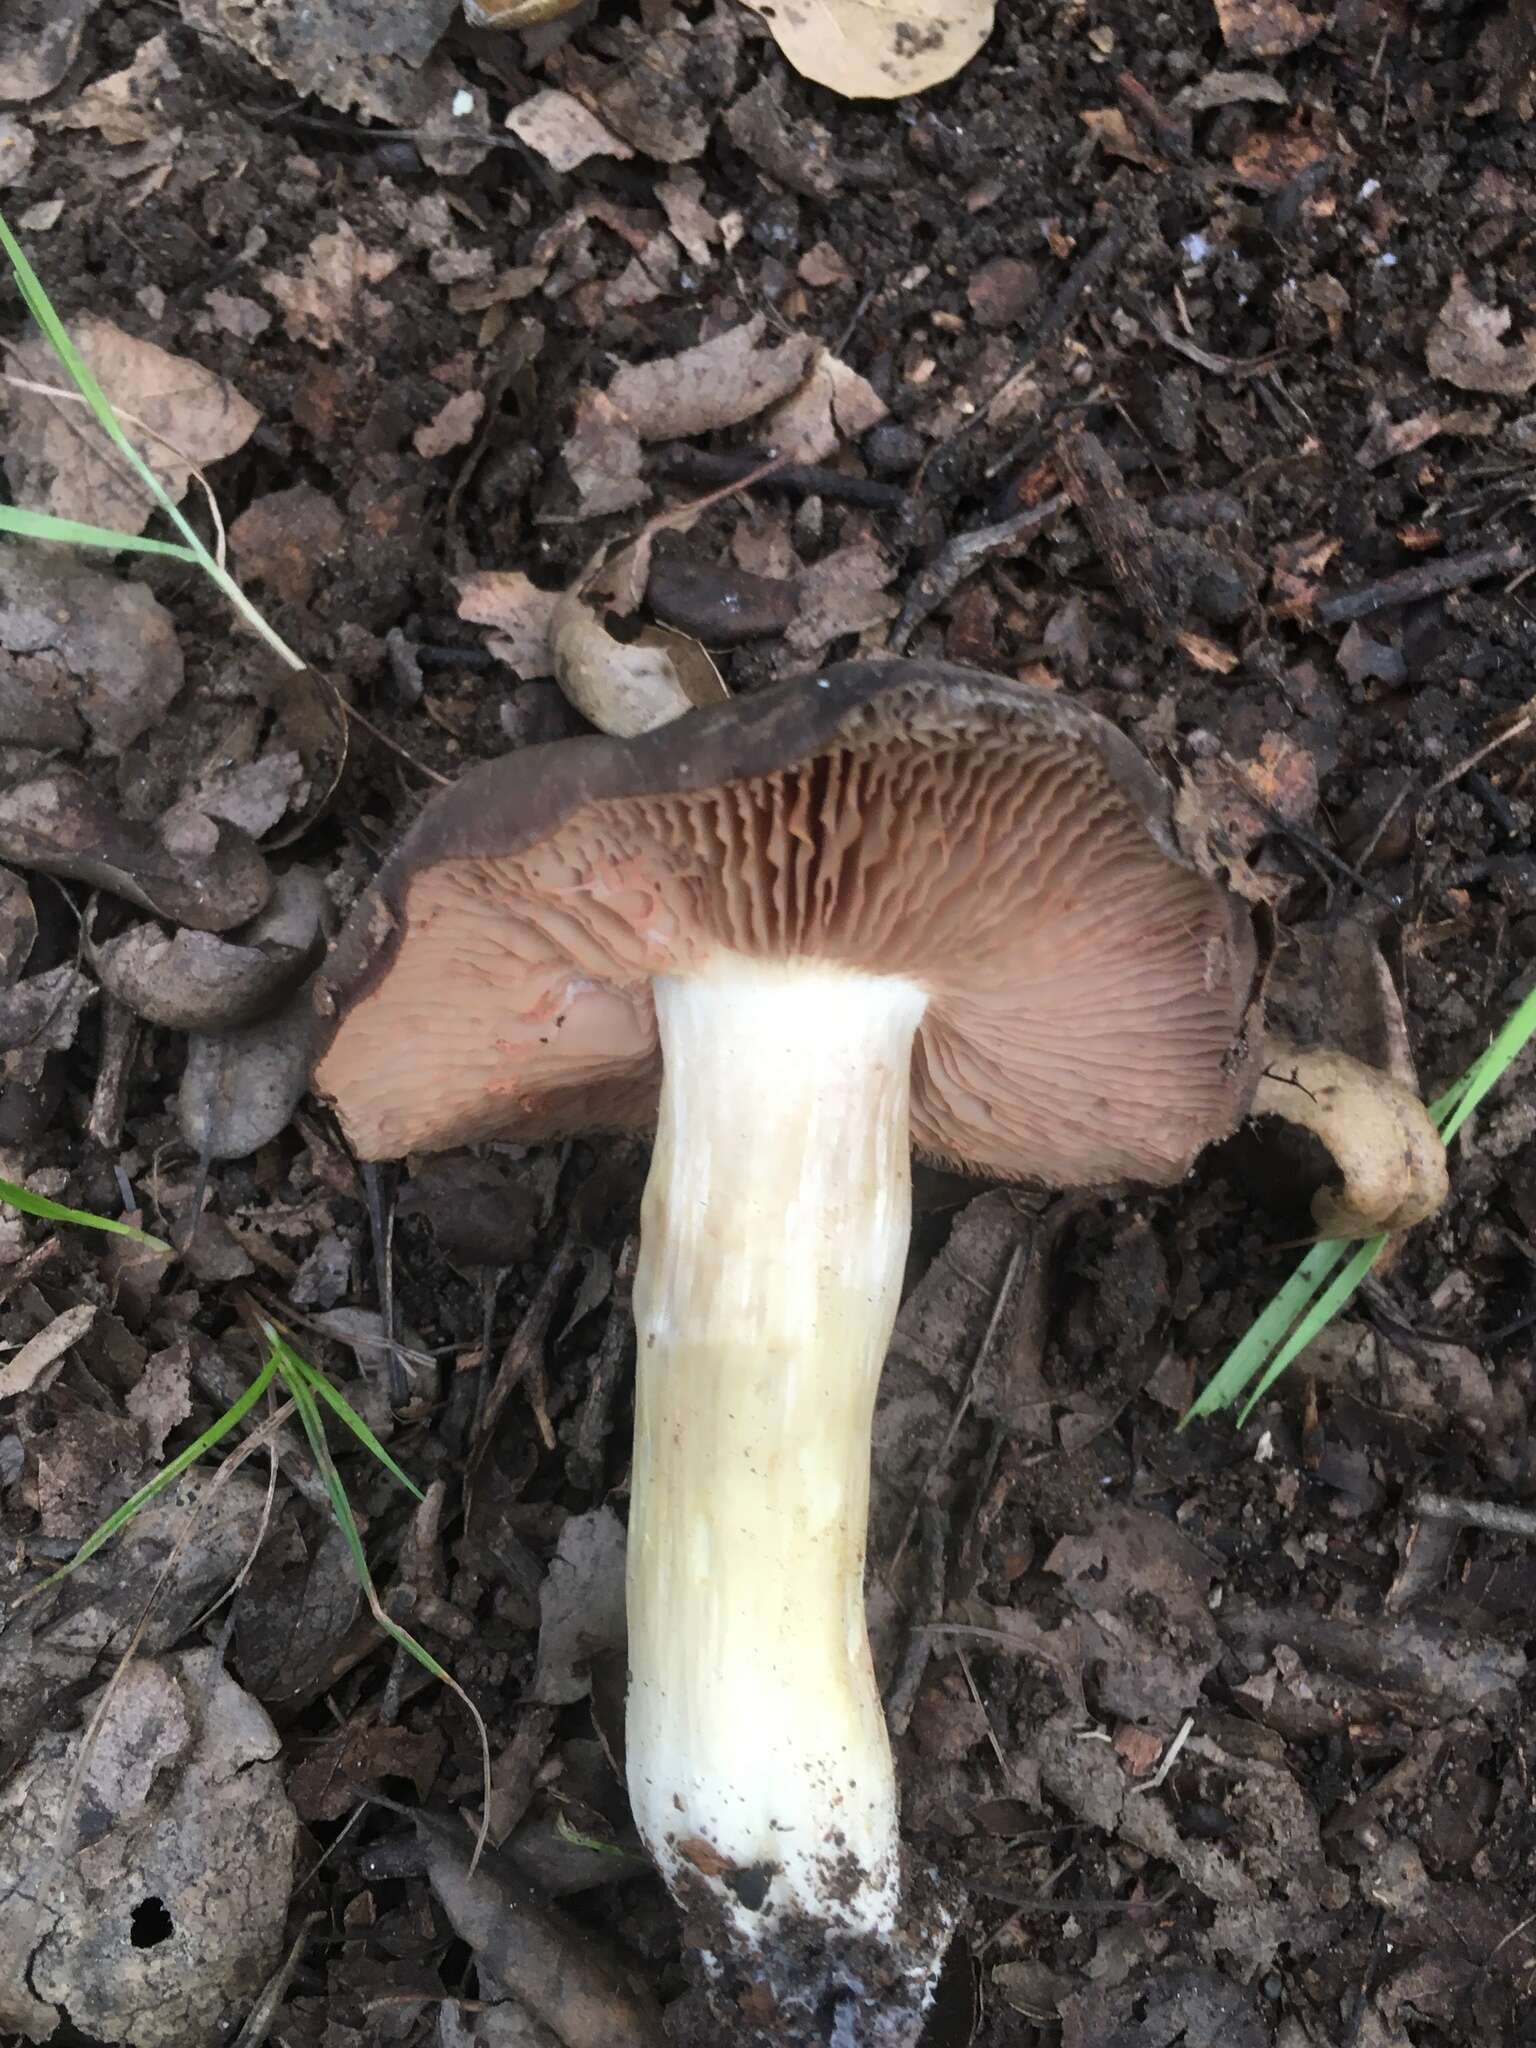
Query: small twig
[962, 1406]
[1170, 1758]
[1117, 523]
[1476, 1514]
[977, 1700]
[522, 1353]
[1036, 1902]
[960, 555]
[119, 1043]
[585, 1460]
[1521, 725]
[1058, 317]
[1209, 359]
[381, 1231]
[1309, 842]
[1426, 579]
[258, 2023]
[909, 1676]
[802, 479]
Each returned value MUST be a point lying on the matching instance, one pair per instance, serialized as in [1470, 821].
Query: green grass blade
[595, 1843]
[317, 1383]
[55, 1212]
[1250, 1355]
[70, 533]
[1322, 1312]
[301, 1386]
[235, 1413]
[302, 1393]
[54, 332]
[1450, 1112]
[1482, 1074]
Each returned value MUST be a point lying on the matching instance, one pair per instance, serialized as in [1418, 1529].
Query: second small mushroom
[889, 905]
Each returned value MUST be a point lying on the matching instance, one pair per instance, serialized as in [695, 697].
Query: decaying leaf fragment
[877, 49]
[179, 415]
[1387, 1150]
[197, 981]
[729, 378]
[187, 1809]
[197, 871]
[1467, 347]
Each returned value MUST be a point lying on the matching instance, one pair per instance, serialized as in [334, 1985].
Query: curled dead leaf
[179, 415]
[1387, 1150]
[518, 611]
[729, 378]
[877, 49]
[239, 1088]
[209, 875]
[196, 981]
[627, 686]
[1467, 348]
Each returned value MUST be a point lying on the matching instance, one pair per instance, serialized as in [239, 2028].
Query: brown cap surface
[1010, 852]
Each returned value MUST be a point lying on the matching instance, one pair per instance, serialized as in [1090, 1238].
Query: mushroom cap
[1090, 992]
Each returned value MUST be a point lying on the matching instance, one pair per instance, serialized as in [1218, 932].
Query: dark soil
[1343, 1851]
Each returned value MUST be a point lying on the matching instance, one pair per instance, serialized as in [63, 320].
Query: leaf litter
[874, 239]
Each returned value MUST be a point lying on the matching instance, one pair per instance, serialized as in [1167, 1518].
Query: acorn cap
[1091, 995]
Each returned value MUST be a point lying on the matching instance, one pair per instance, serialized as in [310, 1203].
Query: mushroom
[889, 905]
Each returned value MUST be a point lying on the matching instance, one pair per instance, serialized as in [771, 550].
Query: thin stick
[1428, 579]
[1476, 1514]
[962, 1406]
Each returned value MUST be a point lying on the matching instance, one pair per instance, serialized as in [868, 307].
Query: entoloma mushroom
[889, 905]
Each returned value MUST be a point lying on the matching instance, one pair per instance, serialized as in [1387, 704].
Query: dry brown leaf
[453, 426]
[162, 1398]
[877, 49]
[518, 612]
[721, 382]
[38, 43]
[1265, 28]
[1388, 437]
[696, 228]
[1227, 89]
[58, 461]
[666, 88]
[845, 592]
[45, 1349]
[190, 872]
[834, 406]
[603, 457]
[821, 266]
[380, 60]
[1112, 132]
[184, 1789]
[124, 107]
[18, 146]
[320, 300]
[563, 131]
[93, 644]
[286, 540]
[1209, 655]
[239, 1088]
[1270, 162]
[1467, 348]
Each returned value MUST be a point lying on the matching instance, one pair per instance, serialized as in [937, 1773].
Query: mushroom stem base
[773, 1239]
